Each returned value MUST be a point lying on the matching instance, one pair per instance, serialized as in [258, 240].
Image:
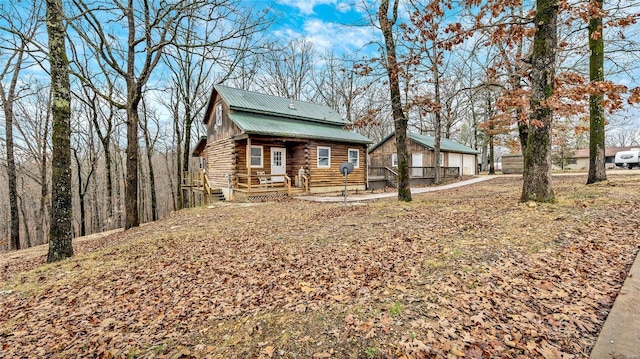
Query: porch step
[216, 195]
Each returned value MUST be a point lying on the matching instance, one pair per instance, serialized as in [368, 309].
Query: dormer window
[218, 115]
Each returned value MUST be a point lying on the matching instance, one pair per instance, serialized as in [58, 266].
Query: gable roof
[276, 126]
[608, 151]
[260, 114]
[446, 145]
[200, 147]
[259, 103]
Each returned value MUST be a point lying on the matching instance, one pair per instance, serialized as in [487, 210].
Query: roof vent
[291, 106]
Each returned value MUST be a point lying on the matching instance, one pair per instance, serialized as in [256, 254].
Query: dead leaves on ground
[467, 272]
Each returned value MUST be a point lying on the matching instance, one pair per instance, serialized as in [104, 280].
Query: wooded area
[140, 76]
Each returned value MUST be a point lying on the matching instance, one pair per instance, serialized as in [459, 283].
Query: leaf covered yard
[467, 272]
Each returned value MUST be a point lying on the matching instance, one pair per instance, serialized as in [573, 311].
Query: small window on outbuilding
[256, 156]
[324, 157]
[394, 160]
[219, 115]
[354, 157]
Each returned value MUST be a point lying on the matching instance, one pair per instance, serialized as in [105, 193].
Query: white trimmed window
[324, 157]
[256, 156]
[394, 160]
[354, 157]
[218, 115]
[441, 159]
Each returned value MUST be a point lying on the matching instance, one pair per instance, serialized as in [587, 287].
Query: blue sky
[331, 25]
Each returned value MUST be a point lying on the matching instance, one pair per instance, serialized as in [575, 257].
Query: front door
[416, 161]
[278, 163]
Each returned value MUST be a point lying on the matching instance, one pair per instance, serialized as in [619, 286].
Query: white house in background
[580, 158]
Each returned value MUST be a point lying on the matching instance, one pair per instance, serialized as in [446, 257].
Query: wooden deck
[248, 187]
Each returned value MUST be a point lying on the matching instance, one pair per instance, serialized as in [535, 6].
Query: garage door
[455, 160]
[469, 165]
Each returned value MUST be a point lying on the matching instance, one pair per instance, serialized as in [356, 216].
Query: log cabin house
[262, 146]
[455, 160]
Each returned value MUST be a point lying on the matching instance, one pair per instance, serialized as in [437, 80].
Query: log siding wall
[304, 155]
[331, 177]
[381, 156]
[220, 161]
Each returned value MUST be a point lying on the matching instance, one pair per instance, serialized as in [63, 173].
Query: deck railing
[194, 179]
[249, 181]
[391, 176]
[430, 172]
[245, 181]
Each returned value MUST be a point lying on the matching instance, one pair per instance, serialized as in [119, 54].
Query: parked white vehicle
[628, 159]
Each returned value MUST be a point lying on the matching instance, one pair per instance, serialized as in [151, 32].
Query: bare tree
[60, 234]
[288, 70]
[149, 30]
[623, 137]
[597, 171]
[203, 55]
[34, 127]
[18, 31]
[387, 21]
[86, 160]
[103, 116]
[537, 160]
[150, 140]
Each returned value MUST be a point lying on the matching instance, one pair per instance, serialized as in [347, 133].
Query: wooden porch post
[248, 154]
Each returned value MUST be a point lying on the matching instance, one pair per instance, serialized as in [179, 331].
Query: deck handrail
[287, 181]
[247, 177]
[205, 183]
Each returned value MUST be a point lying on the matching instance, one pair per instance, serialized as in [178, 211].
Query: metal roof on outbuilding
[446, 144]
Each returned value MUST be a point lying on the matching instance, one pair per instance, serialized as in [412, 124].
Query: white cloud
[327, 35]
[306, 6]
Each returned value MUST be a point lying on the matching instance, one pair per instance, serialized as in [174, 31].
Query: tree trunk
[400, 120]
[180, 199]
[83, 227]
[516, 78]
[172, 187]
[14, 236]
[132, 218]
[120, 179]
[523, 132]
[96, 222]
[492, 156]
[537, 160]
[597, 171]
[60, 234]
[107, 168]
[491, 131]
[438, 116]
[23, 209]
[142, 189]
[152, 180]
[44, 190]
[40, 221]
